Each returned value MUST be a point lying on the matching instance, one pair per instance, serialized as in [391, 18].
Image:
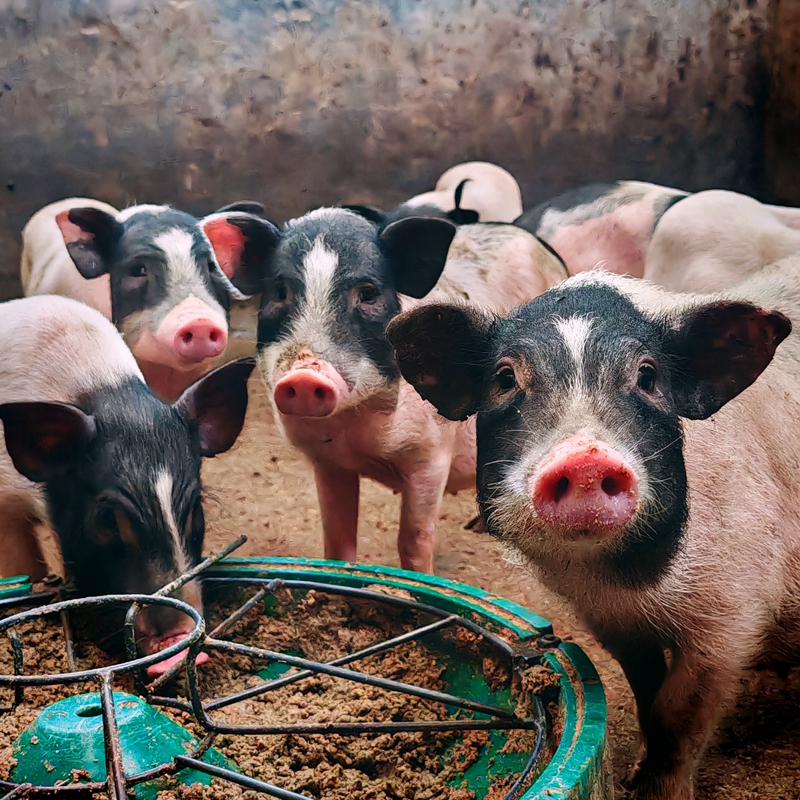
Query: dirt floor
[265, 490]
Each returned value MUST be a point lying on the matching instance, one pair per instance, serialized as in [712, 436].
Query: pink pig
[334, 283]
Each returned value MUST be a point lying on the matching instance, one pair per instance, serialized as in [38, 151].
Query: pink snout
[585, 485]
[306, 393]
[198, 341]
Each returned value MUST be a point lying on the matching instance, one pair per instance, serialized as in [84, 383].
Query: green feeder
[68, 735]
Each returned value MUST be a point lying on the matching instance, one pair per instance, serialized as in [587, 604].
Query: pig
[471, 192]
[639, 448]
[603, 225]
[715, 239]
[164, 278]
[88, 451]
[334, 282]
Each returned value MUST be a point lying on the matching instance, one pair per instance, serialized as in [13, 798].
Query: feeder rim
[192, 637]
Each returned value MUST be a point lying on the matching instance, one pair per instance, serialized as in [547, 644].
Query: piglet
[165, 278]
[640, 449]
[90, 453]
[333, 284]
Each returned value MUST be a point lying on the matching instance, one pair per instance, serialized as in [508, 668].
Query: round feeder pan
[578, 767]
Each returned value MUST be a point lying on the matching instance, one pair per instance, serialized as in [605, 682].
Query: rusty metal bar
[220, 630]
[172, 586]
[241, 780]
[380, 647]
[360, 677]
[20, 791]
[359, 728]
[115, 781]
[389, 599]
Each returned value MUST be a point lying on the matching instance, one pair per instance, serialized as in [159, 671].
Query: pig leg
[337, 491]
[419, 513]
[680, 718]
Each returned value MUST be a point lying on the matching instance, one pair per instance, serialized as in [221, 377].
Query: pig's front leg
[422, 495]
[679, 719]
[337, 491]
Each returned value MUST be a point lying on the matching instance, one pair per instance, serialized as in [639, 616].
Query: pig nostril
[319, 393]
[561, 488]
[187, 337]
[291, 391]
[611, 486]
[213, 336]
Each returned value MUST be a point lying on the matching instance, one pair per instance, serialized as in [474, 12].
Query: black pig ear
[243, 245]
[372, 213]
[90, 235]
[217, 403]
[416, 249]
[442, 352]
[42, 437]
[719, 350]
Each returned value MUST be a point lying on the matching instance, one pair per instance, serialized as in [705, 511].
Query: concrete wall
[303, 102]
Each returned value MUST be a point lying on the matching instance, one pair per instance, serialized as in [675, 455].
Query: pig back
[46, 266]
[496, 266]
[56, 349]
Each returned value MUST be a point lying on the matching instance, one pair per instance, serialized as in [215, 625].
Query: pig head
[172, 279]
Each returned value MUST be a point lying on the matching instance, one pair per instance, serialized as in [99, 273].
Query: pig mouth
[155, 644]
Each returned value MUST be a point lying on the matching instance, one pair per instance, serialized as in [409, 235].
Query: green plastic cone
[68, 735]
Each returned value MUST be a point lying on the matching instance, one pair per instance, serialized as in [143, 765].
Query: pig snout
[198, 341]
[585, 485]
[159, 627]
[310, 390]
[190, 333]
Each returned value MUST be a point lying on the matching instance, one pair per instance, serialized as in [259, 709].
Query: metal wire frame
[117, 784]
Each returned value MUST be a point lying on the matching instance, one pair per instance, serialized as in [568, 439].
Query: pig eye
[367, 293]
[282, 292]
[137, 271]
[506, 378]
[647, 378]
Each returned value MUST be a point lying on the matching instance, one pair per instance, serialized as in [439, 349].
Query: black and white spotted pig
[165, 278]
[333, 284]
[640, 449]
[91, 454]
[603, 225]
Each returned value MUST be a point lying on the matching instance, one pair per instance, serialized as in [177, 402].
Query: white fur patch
[575, 331]
[127, 213]
[316, 317]
[183, 276]
[163, 487]
[177, 247]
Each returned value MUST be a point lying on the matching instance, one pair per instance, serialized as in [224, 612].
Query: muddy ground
[265, 490]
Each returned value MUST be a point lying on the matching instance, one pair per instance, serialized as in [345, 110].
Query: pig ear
[247, 206]
[372, 213]
[243, 244]
[90, 235]
[217, 403]
[416, 248]
[41, 437]
[462, 216]
[442, 351]
[720, 349]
